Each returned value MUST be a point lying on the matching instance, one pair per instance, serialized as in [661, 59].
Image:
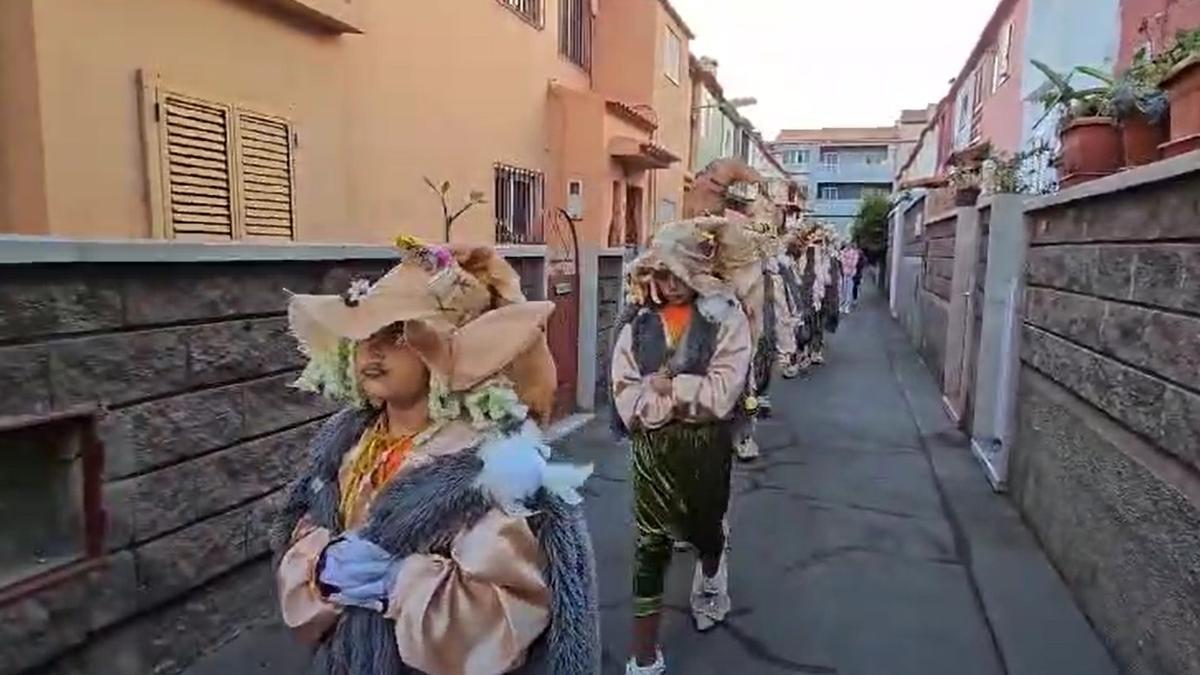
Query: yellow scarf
[379, 458]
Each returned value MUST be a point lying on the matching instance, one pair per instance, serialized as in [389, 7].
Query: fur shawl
[422, 511]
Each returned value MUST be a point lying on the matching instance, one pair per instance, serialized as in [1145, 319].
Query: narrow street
[857, 539]
[865, 542]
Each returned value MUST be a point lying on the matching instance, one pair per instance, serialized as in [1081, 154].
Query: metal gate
[562, 286]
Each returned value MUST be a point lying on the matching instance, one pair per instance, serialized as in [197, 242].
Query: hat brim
[319, 322]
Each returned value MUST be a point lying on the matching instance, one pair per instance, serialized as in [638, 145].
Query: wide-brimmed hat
[464, 309]
[705, 253]
[444, 285]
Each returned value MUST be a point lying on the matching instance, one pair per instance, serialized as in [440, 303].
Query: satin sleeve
[303, 608]
[714, 394]
[639, 406]
[785, 323]
[477, 611]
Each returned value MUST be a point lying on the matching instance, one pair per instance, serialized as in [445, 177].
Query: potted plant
[1182, 84]
[1091, 142]
[966, 173]
[1140, 108]
[967, 183]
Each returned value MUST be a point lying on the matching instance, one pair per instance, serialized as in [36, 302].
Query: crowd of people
[714, 305]
[432, 533]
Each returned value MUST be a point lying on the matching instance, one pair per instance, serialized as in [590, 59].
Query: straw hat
[464, 314]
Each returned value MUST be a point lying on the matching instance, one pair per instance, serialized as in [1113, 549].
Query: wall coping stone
[521, 250]
[33, 250]
[1118, 182]
[26, 250]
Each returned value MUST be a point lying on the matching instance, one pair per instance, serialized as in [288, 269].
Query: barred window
[530, 10]
[518, 205]
[575, 32]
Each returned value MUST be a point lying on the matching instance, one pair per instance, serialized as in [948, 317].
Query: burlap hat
[464, 312]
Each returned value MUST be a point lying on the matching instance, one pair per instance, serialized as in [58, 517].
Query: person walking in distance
[851, 274]
[679, 370]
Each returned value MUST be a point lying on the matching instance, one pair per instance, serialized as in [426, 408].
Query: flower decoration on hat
[358, 290]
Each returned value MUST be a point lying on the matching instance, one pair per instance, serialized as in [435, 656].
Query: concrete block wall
[934, 298]
[187, 366]
[1106, 463]
[610, 290]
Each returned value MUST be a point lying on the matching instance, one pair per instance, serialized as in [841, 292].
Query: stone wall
[183, 367]
[1106, 465]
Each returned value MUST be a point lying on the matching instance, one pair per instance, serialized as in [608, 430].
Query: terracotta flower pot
[1091, 148]
[1140, 138]
[966, 196]
[1183, 90]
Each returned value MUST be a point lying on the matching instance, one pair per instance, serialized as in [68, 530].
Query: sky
[827, 63]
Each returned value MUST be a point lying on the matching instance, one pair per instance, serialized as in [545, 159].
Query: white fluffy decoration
[516, 467]
[716, 307]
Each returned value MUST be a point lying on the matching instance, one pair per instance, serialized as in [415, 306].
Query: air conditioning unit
[575, 199]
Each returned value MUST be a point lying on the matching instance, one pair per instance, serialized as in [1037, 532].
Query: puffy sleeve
[713, 395]
[477, 611]
[303, 608]
[785, 323]
[638, 405]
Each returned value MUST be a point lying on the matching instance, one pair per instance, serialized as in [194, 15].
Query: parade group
[431, 531]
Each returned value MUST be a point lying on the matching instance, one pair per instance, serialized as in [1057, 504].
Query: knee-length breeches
[681, 492]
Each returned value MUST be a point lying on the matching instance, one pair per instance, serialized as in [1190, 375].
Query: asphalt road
[864, 542]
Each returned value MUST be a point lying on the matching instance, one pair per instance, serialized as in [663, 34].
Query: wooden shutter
[196, 162]
[266, 185]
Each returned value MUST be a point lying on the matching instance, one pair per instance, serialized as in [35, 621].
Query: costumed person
[787, 263]
[850, 258]
[678, 375]
[812, 270]
[429, 533]
[760, 289]
[831, 302]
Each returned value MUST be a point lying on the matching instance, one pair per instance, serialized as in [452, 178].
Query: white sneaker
[747, 449]
[682, 546]
[657, 668]
[818, 359]
[710, 597]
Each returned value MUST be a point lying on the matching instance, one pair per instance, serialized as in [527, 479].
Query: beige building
[318, 120]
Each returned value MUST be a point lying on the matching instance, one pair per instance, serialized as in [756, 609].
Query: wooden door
[562, 286]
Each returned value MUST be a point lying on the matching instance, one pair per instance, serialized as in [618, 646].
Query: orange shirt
[676, 319]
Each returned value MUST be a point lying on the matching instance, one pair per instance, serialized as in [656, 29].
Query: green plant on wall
[1073, 102]
[870, 231]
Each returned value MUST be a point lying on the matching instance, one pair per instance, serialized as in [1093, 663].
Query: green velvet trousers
[681, 492]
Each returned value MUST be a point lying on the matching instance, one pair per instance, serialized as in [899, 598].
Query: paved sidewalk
[865, 542]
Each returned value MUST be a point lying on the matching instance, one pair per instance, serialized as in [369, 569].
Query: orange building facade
[319, 120]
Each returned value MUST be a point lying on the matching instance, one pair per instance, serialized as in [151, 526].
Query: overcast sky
[822, 63]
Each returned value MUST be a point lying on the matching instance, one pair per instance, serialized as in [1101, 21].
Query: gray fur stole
[421, 512]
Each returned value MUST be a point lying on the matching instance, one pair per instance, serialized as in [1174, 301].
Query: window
[575, 32]
[830, 192]
[518, 205]
[727, 143]
[50, 512]
[963, 117]
[530, 10]
[830, 160]
[667, 212]
[796, 157]
[219, 170]
[876, 158]
[672, 55]
[1003, 57]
